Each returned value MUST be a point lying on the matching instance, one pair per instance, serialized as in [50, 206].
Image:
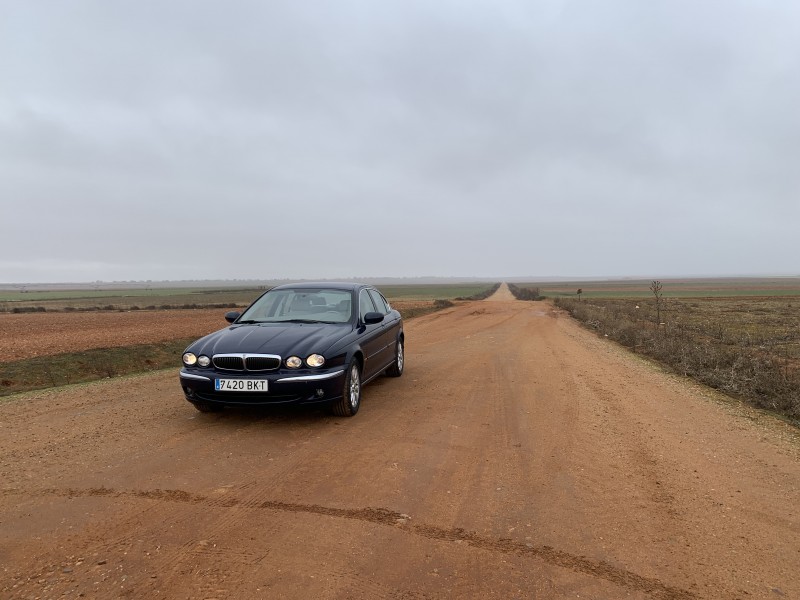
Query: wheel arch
[358, 355]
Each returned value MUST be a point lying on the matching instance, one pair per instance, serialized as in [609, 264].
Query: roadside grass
[90, 365]
[674, 288]
[747, 347]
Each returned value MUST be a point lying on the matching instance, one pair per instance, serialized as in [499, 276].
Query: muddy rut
[519, 456]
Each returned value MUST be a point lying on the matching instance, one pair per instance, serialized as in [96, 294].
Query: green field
[125, 299]
[48, 295]
[162, 298]
[673, 288]
[446, 291]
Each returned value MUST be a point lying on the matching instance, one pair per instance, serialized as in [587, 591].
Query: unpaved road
[518, 457]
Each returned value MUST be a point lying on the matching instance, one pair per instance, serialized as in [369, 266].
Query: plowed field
[45, 334]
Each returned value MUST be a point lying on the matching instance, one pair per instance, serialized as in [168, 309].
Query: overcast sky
[308, 139]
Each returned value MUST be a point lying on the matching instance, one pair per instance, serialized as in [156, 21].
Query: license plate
[240, 385]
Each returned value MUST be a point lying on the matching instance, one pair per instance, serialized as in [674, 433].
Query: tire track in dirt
[219, 537]
[390, 518]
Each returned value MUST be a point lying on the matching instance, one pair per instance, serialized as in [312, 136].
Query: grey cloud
[409, 138]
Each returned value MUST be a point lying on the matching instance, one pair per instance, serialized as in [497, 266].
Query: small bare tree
[656, 287]
[580, 291]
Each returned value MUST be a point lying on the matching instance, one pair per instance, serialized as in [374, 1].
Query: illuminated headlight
[294, 362]
[315, 360]
[203, 361]
[189, 359]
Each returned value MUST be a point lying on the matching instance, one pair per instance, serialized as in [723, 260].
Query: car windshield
[300, 306]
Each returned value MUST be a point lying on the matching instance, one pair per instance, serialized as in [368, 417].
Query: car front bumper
[282, 387]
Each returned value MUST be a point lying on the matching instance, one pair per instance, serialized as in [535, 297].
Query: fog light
[320, 393]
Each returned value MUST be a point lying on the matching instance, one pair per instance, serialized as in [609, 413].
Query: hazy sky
[303, 139]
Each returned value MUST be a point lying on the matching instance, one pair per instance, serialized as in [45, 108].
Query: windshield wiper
[299, 321]
[274, 321]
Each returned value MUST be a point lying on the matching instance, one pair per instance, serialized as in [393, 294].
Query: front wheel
[351, 392]
[399, 360]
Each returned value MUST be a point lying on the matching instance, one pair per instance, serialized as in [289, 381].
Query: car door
[391, 327]
[370, 335]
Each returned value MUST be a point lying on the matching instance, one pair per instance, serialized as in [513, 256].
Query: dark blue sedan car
[301, 344]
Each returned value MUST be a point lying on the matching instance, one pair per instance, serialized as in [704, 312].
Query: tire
[351, 392]
[207, 407]
[399, 361]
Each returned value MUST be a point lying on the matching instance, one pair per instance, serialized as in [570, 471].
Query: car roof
[328, 285]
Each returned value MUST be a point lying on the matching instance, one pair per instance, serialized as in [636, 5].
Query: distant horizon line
[410, 279]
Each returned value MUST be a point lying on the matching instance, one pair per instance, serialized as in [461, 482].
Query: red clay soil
[45, 334]
[519, 456]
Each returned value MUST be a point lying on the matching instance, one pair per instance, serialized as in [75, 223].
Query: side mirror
[373, 317]
[231, 316]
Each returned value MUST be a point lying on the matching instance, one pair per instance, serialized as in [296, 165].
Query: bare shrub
[656, 288]
[746, 366]
[104, 366]
[626, 334]
[525, 293]
[28, 309]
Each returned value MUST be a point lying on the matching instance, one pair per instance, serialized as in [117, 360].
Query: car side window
[365, 304]
[380, 303]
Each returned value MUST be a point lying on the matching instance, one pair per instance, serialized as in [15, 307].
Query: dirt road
[518, 457]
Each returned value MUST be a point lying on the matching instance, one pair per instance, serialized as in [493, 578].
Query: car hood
[300, 339]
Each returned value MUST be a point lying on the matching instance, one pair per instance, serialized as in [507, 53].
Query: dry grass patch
[745, 347]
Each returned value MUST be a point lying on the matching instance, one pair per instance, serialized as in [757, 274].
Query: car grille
[262, 363]
[246, 362]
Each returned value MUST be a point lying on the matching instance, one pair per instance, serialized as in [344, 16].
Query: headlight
[294, 362]
[315, 360]
[189, 359]
[203, 360]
